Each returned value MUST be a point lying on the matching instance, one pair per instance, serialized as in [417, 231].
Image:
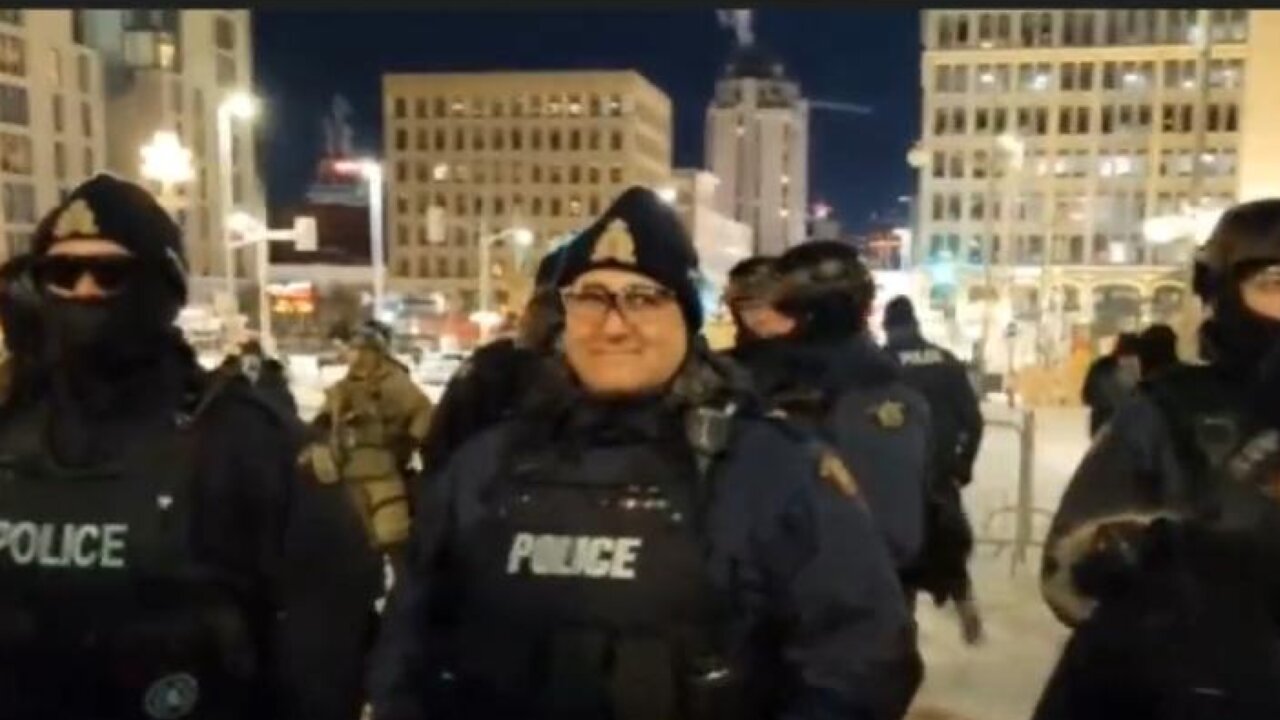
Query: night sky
[865, 56]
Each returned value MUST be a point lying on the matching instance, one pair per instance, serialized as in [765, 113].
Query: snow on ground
[1002, 679]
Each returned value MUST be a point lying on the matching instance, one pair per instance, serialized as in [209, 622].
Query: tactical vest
[105, 613]
[1206, 417]
[586, 597]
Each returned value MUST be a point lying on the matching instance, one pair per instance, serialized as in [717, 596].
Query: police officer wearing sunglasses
[630, 546]
[158, 559]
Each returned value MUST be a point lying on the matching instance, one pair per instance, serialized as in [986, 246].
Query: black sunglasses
[111, 273]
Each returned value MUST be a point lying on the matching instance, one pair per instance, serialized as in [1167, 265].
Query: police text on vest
[63, 545]
[574, 556]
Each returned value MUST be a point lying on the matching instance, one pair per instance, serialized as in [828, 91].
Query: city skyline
[857, 163]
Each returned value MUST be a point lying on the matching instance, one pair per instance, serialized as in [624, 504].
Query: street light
[522, 237]
[238, 105]
[371, 171]
[668, 195]
[166, 161]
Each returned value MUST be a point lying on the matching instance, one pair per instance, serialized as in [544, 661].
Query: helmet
[823, 268]
[1247, 234]
[372, 334]
[751, 279]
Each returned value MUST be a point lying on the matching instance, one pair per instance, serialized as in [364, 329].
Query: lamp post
[371, 171]
[522, 237]
[253, 232]
[238, 105]
[166, 161]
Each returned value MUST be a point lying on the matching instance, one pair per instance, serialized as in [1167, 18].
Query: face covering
[251, 365]
[112, 332]
[1237, 337]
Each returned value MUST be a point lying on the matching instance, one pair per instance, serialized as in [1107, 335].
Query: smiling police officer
[154, 561]
[629, 547]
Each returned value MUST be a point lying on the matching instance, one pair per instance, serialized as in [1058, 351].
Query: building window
[553, 175]
[224, 34]
[555, 207]
[20, 203]
[13, 56]
[615, 174]
[535, 139]
[14, 108]
[15, 154]
[517, 139]
[553, 140]
[60, 160]
[398, 108]
[402, 139]
[402, 171]
[441, 139]
[535, 174]
[459, 140]
[423, 144]
[402, 235]
[499, 140]
[10, 17]
[575, 140]
[226, 71]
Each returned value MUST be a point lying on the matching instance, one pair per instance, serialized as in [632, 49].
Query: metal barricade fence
[1010, 524]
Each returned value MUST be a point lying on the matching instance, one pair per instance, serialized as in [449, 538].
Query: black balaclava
[113, 335]
[1236, 337]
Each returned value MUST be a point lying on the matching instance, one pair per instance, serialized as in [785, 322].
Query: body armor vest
[585, 594]
[1206, 416]
[104, 611]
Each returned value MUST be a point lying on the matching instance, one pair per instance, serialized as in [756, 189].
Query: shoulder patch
[833, 470]
[890, 414]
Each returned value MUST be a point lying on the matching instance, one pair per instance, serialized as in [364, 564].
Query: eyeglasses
[111, 273]
[637, 303]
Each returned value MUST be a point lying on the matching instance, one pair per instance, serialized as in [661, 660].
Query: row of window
[1130, 76]
[554, 105]
[15, 107]
[1120, 248]
[59, 116]
[1117, 209]
[500, 206]
[1078, 120]
[515, 139]
[1082, 28]
[13, 56]
[498, 172]
[84, 71]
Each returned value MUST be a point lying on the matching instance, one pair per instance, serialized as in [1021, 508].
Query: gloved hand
[319, 459]
[1114, 555]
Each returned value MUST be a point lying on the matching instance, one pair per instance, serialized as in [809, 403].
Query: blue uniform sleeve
[398, 664]
[850, 644]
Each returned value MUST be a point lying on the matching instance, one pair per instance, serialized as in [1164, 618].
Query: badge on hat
[172, 697]
[76, 220]
[890, 415]
[615, 244]
[833, 470]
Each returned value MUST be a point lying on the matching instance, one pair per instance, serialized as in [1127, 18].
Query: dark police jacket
[1155, 458]
[852, 394]
[594, 572]
[954, 409]
[189, 574]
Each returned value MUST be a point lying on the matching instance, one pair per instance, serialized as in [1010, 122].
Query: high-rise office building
[470, 156]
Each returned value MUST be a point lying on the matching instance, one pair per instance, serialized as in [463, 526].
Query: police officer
[751, 285]
[957, 432]
[153, 557]
[265, 373]
[491, 383]
[826, 372]
[629, 547]
[1157, 456]
[371, 424]
[1185, 625]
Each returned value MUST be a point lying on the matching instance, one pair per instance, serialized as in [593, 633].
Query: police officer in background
[492, 382]
[1158, 455]
[158, 557]
[630, 547]
[826, 372]
[749, 295]
[957, 432]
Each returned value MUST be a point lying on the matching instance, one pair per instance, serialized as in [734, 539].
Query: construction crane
[840, 107]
